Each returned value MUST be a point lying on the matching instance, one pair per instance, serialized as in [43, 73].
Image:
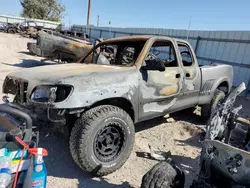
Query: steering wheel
[127, 56]
[151, 56]
[127, 59]
[109, 53]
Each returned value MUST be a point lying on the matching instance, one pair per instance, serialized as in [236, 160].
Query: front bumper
[43, 117]
[33, 48]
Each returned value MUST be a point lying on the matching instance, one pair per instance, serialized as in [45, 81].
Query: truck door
[192, 78]
[161, 80]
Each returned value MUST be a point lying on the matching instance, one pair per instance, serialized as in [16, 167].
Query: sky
[169, 14]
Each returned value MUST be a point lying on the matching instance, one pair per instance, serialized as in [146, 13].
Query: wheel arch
[224, 86]
[120, 102]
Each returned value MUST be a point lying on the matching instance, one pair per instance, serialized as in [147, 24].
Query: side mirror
[153, 65]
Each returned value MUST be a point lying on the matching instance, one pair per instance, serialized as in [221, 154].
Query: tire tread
[79, 136]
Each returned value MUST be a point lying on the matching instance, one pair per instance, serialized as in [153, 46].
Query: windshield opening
[119, 53]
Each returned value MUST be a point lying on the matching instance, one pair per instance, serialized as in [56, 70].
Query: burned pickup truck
[120, 82]
[56, 46]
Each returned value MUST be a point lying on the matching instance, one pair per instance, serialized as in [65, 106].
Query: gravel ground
[163, 134]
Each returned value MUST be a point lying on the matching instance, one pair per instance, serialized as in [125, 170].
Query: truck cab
[175, 87]
[183, 83]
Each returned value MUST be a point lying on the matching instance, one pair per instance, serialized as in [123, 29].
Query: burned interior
[123, 53]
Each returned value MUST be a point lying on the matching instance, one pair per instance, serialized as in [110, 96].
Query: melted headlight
[50, 94]
[44, 94]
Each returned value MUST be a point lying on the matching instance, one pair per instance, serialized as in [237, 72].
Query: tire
[96, 132]
[207, 109]
[163, 175]
[31, 47]
[11, 30]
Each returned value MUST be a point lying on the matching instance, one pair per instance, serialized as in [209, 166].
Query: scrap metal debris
[159, 155]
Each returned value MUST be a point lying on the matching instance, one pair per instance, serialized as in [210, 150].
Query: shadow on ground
[28, 63]
[193, 141]
[186, 115]
[26, 53]
[189, 116]
[149, 124]
[189, 166]
[60, 164]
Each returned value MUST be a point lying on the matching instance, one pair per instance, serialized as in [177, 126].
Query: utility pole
[97, 24]
[189, 27]
[110, 29]
[87, 25]
[89, 5]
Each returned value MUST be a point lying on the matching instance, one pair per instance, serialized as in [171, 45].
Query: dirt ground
[163, 134]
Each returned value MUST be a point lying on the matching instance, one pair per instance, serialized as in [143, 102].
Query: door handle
[177, 75]
[187, 75]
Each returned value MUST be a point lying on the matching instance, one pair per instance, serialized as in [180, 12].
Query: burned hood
[90, 82]
[60, 73]
[87, 76]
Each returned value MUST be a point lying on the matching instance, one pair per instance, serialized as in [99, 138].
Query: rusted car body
[57, 46]
[121, 81]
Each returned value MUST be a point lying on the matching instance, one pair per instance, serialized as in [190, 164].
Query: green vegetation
[42, 9]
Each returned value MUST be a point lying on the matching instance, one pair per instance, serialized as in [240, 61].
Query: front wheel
[102, 139]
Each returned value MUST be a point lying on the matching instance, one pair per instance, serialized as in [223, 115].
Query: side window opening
[123, 53]
[162, 52]
[186, 55]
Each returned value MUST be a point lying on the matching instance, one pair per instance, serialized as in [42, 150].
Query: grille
[17, 87]
[22, 88]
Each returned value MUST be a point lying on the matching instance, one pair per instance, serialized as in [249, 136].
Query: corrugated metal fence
[16, 19]
[227, 47]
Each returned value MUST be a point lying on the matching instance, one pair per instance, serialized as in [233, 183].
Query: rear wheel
[206, 109]
[11, 30]
[102, 139]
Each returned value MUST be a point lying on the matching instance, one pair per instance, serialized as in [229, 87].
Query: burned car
[28, 26]
[53, 45]
[3, 26]
[120, 82]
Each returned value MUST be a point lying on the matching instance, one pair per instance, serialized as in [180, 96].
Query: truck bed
[212, 76]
